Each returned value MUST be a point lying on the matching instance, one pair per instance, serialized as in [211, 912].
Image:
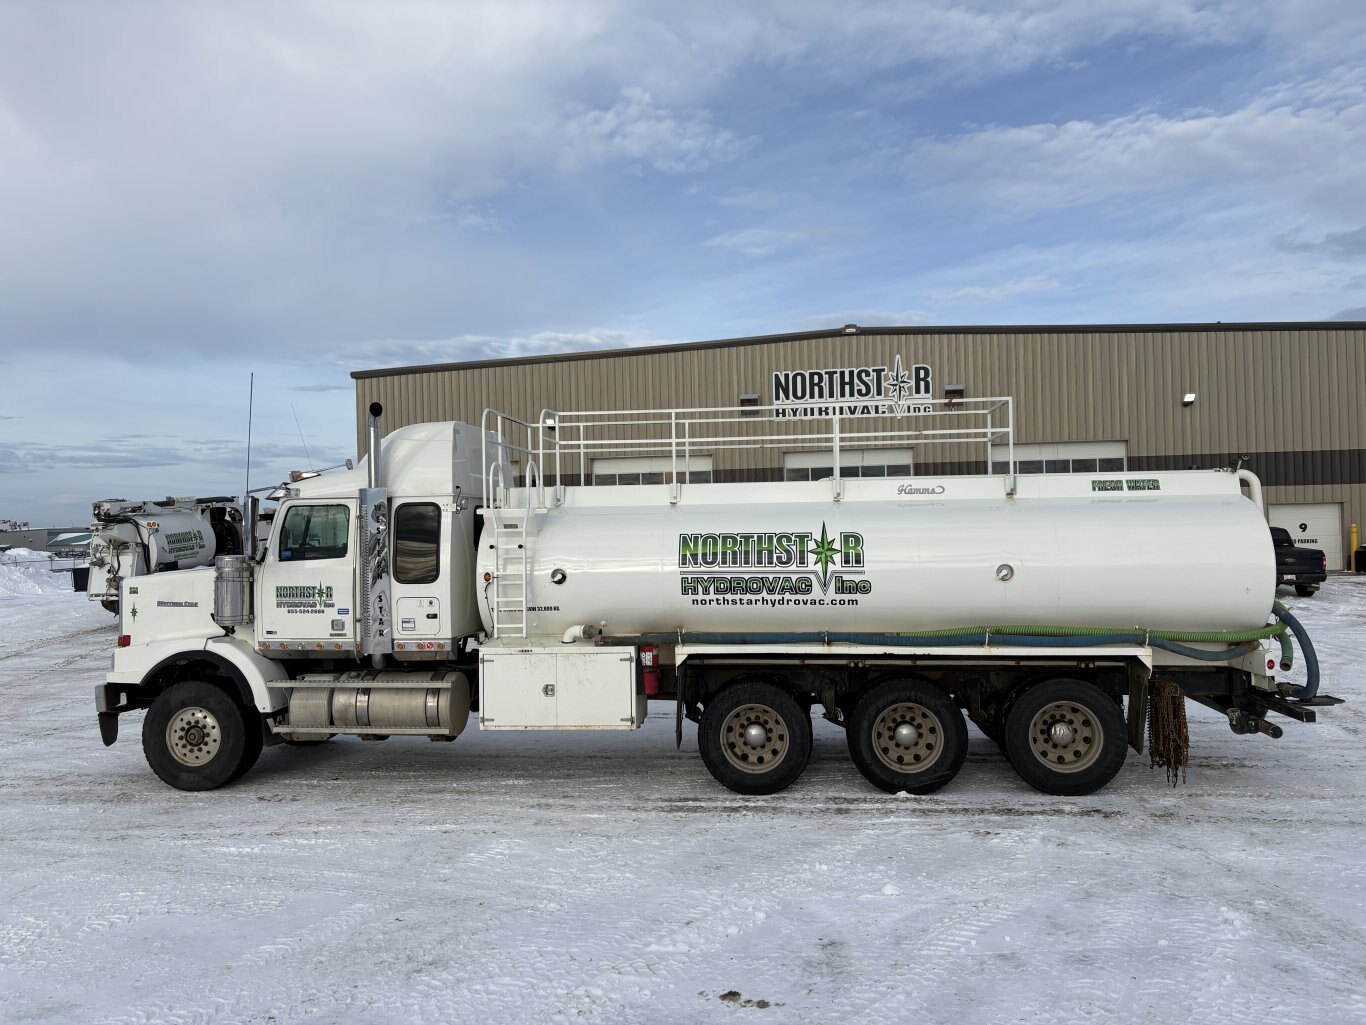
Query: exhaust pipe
[376, 475]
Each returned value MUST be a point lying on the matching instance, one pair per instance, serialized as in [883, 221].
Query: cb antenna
[301, 435]
[251, 395]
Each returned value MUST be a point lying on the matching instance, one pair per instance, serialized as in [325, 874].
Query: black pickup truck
[1305, 568]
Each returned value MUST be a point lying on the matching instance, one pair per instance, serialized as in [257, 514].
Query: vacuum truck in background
[133, 539]
[481, 570]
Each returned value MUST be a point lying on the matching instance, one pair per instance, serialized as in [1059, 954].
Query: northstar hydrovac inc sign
[853, 391]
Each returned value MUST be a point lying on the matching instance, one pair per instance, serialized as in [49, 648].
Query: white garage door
[1313, 526]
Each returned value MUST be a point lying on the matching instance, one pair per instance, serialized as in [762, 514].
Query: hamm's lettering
[808, 560]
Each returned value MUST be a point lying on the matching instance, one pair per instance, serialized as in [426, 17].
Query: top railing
[565, 443]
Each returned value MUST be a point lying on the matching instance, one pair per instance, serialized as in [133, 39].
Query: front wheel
[907, 735]
[754, 738]
[196, 737]
[1066, 737]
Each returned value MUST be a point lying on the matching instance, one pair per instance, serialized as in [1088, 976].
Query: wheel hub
[907, 737]
[1066, 736]
[755, 738]
[193, 736]
[1061, 733]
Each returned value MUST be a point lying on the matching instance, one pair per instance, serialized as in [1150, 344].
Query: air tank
[1182, 551]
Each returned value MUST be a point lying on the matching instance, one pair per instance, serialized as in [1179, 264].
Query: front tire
[196, 737]
[754, 738]
[1066, 737]
[907, 735]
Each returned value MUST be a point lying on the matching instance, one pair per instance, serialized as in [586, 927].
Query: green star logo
[134, 613]
[825, 554]
[319, 591]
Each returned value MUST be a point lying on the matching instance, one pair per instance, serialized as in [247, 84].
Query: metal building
[1289, 399]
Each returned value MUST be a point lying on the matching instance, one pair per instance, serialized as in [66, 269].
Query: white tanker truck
[133, 539]
[480, 570]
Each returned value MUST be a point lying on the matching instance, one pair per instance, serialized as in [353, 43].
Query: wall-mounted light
[851, 329]
[1188, 399]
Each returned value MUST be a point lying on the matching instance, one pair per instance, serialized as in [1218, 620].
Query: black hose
[1311, 658]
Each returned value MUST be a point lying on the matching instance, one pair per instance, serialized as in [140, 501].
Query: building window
[1062, 457]
[651, 470]
[854, 462]
[314, 532]
[417, 543]
[749, 403]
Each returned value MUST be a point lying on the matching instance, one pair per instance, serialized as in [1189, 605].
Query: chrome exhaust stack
[376, 475]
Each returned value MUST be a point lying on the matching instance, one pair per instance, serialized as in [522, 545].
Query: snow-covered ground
[606, 878]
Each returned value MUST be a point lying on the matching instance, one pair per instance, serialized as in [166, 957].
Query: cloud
[1355, 313]
[474, 348]
[1305, 142]
[998, 293]
[864, 317]
[756, 241]
[635, 129]
[1335, 243]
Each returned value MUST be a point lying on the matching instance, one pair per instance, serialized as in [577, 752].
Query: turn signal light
[125, 640]
[1271, 663]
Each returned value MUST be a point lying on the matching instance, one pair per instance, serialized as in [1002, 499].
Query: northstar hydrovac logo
[795, 563]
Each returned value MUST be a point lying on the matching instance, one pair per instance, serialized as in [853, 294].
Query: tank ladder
[511, 535]
[514, 527]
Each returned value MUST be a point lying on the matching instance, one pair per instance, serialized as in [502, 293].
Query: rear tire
[907, 735]
[1306, 590]
[754, 738]
[1066, 737]
[197, 737]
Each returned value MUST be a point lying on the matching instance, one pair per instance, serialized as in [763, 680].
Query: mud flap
[1138, 705]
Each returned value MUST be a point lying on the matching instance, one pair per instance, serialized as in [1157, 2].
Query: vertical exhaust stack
[376, 475]
[375, 636]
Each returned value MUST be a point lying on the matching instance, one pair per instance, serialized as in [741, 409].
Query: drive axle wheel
[196, 737]
[907, 735]
[1066, 737]
[754, 738]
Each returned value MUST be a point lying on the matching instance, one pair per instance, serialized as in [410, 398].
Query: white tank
[184, 538]
[1174, 551]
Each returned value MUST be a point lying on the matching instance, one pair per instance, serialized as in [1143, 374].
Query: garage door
[1313, 526]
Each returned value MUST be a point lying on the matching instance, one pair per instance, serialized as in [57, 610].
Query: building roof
[859, 329]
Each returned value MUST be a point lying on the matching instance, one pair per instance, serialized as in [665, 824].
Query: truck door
[420, 540]
[308, 590]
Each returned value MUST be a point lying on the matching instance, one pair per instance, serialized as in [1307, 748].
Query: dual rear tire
[907, 735]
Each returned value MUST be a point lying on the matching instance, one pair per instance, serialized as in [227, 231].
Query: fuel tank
[1173, 551]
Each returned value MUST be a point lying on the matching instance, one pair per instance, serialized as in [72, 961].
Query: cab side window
[315, 532]
[417, 543]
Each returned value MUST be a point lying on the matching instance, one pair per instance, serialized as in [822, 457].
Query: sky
[193, 193]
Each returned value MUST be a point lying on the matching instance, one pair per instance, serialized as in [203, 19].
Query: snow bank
[25, 572]
[38, 605]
